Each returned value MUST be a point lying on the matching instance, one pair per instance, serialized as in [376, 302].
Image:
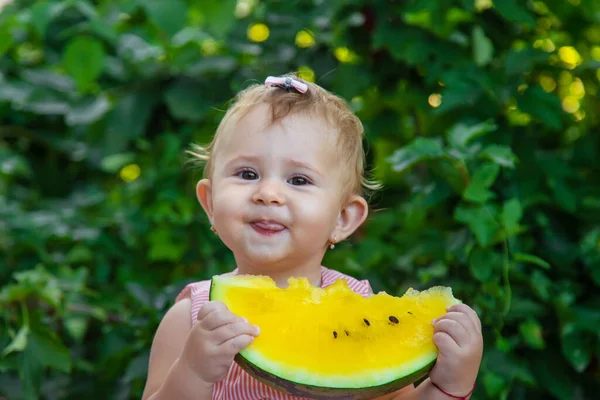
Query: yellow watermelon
[333, 343]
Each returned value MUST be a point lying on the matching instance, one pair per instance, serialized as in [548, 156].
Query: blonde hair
[315, 102]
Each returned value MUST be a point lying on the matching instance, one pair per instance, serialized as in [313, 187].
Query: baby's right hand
[213, 342]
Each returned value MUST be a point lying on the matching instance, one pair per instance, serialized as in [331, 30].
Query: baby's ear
[352, 215]
[204, 195]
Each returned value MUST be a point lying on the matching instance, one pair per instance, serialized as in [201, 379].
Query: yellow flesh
[298, 323]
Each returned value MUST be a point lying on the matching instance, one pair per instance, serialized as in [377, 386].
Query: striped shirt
[238, 385]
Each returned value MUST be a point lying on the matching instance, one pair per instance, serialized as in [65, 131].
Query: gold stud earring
[212, 228]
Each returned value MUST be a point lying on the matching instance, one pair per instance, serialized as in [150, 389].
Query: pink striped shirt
[238, 385]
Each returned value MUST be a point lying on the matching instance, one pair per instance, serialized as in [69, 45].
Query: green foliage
[481, 121]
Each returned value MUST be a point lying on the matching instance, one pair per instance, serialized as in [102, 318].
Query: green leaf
[507, 365]
[590, 252]
[48, 350]
[49, 79]
[512, 212]
[531, 259]
[212, 65]
[462, 133]
[170, 16]
[464, 87]
[165, 246]
[45, 102]
[136, 50]
[531, 331]
[413, 49]
[587, 318]
[79, 254]
[351, 80]
[31, 372]
[541, 284]
[435, 271]
[418, 150]
[84, 60]
[480, 221]
[41, 16]
[524, 307]
[486, 174]
[76, 327]
[114, 162]
[140, 293]
[186, 100]
[137, 368]
[483, 178]
[577, 347]
[563, 194]
[6, 39]
[493, 384]
[553, 374]
[477, 193]
[129, 118]
[513, 11]
[87, 111]
[483, 49]
[452, 170]
[19, 343]
[518, 62]
[544, 106]
[13, 164]
[468, 5]
[500, 154]
[483, 263]
[219, 17]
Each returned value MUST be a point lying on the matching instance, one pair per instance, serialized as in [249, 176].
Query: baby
[284, 182]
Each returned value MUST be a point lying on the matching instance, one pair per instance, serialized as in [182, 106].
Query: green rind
[344, 381]
[324, 393]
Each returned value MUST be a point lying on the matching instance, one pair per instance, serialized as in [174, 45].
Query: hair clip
[286, 83]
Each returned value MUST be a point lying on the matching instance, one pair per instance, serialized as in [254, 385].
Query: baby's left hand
[457, 335]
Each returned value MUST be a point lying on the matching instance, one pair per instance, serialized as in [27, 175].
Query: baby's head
[335, 114]
[284, 176]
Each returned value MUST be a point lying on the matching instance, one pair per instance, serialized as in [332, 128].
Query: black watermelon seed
[367, 322]
[394, 319]
[347, 334]
[410, 313]
[334, 334]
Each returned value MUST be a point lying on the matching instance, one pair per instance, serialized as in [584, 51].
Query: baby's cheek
[316, 212]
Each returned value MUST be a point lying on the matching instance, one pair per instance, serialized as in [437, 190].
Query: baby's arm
[185, 360]
[167, 377]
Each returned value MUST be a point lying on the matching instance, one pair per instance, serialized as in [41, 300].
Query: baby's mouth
[267, 227]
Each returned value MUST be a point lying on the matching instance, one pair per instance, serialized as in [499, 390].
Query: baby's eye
[298, 181]
[248, 175]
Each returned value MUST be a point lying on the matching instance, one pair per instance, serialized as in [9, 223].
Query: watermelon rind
[329, 393]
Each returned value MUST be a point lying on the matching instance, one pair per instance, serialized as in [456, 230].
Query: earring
[332, 243]
[212, 228]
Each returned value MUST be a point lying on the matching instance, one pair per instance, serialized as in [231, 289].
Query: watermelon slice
[333, 343]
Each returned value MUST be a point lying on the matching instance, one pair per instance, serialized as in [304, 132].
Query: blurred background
[481, 119]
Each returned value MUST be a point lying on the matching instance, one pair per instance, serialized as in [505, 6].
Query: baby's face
[277, 190]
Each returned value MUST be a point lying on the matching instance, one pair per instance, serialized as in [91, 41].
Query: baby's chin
[264, 257]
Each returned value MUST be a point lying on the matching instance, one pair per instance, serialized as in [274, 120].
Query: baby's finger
[229, 331]
[237, 344]
[445, 344]
[217, 319]
[461, 318]
[210, 307]
[454, 329]
[461, 307]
